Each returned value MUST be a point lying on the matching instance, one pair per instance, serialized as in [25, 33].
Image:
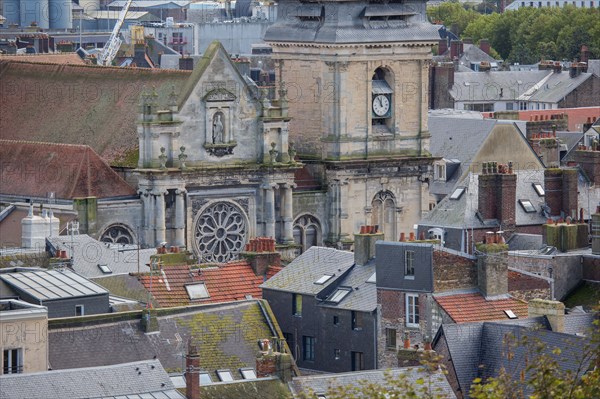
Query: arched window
[118, 234]
[384, 214]
[307, 232]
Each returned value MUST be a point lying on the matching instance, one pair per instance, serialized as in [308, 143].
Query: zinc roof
[46, 285]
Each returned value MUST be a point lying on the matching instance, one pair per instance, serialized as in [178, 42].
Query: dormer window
[440, 172]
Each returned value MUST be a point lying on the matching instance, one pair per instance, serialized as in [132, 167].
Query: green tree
[453, 15]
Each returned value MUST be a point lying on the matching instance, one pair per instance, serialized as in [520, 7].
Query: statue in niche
[218, 131]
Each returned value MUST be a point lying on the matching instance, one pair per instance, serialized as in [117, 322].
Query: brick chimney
[560, 186]
[492, 270]
[584, 54]
[589, 160]
[456, 49]
[192, 372]
[364, 244]
[553, 310]
[260, 253]
[273, 362]
[484, 45]
[497, 194]
[442, 46]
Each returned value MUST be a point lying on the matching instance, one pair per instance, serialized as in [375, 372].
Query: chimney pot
[402, 237]
[412, 236]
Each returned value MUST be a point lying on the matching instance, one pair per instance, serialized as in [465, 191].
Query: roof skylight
[527, 206]
[248, 374]
[373, 278]
[197, 291]
[324, 278]
[105, 269]
[457, 193]
[510, 314]
[338, 295]
[205, 378]
[225, 375]
[539, 189]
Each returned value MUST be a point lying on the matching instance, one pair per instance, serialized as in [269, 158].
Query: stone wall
[567, 270]
[591, 268]
[453, 272]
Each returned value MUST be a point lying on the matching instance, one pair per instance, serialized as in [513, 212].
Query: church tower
[356, 74]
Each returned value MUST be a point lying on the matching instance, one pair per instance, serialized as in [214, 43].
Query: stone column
[334, 207]
[154, 160]
[288, 213]
[149, 221]
[269, 209]
[180, 217]
[160, 227]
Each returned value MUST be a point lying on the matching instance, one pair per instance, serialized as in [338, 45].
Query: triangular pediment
[215, 77]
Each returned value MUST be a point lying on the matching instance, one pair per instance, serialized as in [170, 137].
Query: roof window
[457, 193]
[527, 206]
[323, 279]
[338, 295]
[197, 291]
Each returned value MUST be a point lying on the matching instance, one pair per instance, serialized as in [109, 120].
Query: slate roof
[345, 22]
[363, 296]
[461, 213]
[479, 349]
[579, 323]
[300, 275]
[594, 67]
[463, 308]
[487, 86]
[48, 285]
[88, 253]
[319, 384]
[522, 241]
[458, 138]
[232, 281]
[555, 88]
[90, 95]
[150, 3]
[473, 54]
[33, 169]
[144, 379]
[226, 336]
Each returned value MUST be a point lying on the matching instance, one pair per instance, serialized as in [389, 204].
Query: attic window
[338, 295]
[105, 269]
[248, 374]
[509, 313]
[205, 378]
[373, 278]
[539, 189]
[225, 375]
[323, 279]
[457, 193]
[197, 291]
[527, 206]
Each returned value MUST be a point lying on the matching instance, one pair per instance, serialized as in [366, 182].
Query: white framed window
[248, 373]
[409, 264]
[338, 295]
[79, 310]
[440, 172]
[539, 189]
[225, 375]
[324, 278]
[12, 361]
[205, 378]
[412, 310]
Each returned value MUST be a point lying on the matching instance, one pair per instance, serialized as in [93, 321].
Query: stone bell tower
[356, 74]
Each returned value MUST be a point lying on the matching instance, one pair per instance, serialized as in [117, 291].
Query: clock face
[381, 105]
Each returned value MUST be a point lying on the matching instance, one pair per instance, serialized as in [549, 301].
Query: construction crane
[109, 51]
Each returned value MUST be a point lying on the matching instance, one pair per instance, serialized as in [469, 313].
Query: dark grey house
[326, 307]
[63, 292]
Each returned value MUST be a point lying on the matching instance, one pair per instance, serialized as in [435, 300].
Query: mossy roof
[255, 389]
[226, 336]
[79, 104]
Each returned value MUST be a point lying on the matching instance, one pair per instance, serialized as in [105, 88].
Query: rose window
[220, 232]
[117, 234]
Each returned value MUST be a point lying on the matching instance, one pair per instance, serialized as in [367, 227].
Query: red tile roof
[463, 308]
[33, 169]
[80, 104]
[577, 116]
[225, 283]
